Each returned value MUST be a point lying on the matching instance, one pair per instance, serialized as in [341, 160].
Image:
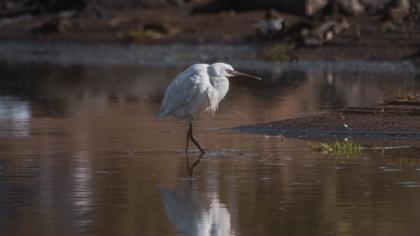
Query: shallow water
[82, 153]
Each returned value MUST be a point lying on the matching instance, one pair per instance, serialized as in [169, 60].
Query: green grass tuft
[346, 148]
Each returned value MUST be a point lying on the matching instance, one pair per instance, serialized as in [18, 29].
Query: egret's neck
[220, 86]
[218, 81]
[217, 91]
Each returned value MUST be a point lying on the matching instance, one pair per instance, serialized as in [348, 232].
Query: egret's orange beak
[240, 74]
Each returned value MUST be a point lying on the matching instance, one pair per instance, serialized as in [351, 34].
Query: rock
[341, 25]
[322, 29]
[397, 10]
[415, 10]
[324, 32]
[416, 5]
[312, 7]
[351, 7]
[271, 26]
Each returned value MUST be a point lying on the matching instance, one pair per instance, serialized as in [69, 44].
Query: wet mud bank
[395, 121]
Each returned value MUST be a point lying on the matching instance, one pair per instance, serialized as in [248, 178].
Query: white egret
[198, 88]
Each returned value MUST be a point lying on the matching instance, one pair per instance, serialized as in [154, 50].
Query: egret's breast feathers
[216, 92]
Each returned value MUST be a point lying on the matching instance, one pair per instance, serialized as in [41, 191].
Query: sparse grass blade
[346, 148]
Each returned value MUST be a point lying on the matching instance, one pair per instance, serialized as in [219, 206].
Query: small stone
[351, 7]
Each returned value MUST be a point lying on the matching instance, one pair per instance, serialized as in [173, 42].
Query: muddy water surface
[81, 153]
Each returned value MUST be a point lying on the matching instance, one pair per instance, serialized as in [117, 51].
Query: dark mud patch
[396, 121]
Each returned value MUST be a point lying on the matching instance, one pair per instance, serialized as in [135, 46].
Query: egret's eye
[229, 70]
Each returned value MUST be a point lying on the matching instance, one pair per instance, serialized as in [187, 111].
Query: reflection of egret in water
[82, 187]
[195, 213]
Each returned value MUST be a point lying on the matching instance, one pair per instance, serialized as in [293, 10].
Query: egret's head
[221, 69]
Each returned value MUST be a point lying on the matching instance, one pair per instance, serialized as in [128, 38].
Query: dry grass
[141, 35]
[277, 52]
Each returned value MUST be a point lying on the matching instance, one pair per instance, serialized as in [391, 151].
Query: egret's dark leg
[190, 169]
[188, 140]
[187, 158]
[190, 135]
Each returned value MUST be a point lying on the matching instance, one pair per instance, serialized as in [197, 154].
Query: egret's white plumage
[198, 88]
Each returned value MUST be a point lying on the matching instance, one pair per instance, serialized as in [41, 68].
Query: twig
[386, 148]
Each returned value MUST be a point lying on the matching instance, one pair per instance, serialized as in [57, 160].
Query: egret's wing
[183, 90]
